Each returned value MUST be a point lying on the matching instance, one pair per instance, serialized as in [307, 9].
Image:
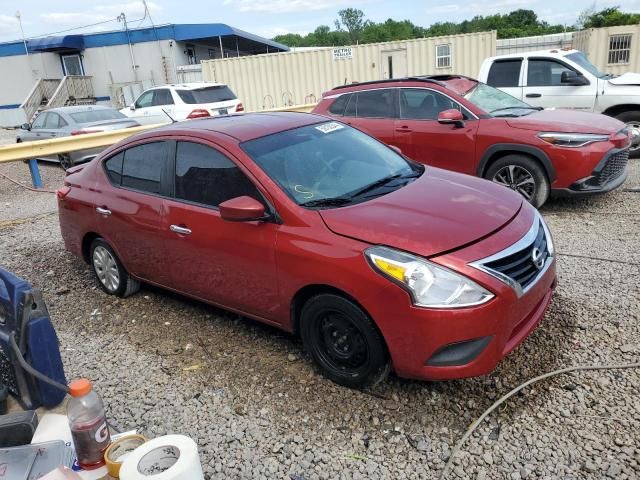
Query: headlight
[573, 140]
[430, 285]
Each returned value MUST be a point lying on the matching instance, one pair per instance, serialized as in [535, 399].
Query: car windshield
[219, 93]
[582, 60]
[496, 102]
[89, 116]
[330, 164]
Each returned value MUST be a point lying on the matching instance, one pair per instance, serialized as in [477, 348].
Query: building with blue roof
[111, 67]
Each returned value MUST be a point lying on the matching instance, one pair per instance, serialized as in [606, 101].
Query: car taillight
[83, 132]
[199, 113]
[62, 192]
[240, 108]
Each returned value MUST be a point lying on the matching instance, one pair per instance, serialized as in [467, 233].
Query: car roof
[189, 86]
[245, 126]
[555, 53]
[78, 108]
[459, 84]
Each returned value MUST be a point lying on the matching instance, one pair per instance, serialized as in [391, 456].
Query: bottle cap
[80, 387]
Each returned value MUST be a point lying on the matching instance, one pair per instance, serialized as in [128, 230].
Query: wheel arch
[87, 240]
[621, 108]
[499, 150]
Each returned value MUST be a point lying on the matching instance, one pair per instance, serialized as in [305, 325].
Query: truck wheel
[632, 119]
[521, 174]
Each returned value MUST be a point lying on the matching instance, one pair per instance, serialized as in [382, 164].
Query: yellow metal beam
[55, 146]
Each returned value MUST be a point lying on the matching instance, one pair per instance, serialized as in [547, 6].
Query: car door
[130, 210]
[373, 111]
[162, 102]
[46, 126]
[544, 87]
[36, 126]
[507, 76]
[142, 108]
[228, 263]
[419, 135]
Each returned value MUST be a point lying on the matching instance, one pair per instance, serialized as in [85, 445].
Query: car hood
[628, 78]
[568, 121]
[438, 212]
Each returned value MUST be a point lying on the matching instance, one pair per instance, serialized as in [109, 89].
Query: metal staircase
[53, 92]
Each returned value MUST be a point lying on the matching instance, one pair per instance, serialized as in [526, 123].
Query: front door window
[72, 65]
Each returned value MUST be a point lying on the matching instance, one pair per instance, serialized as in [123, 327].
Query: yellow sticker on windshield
[329, 127]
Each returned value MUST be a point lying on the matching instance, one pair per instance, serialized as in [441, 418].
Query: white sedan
[182, 102]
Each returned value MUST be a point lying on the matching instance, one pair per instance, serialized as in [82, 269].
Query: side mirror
[132, 107]
[571, 78]
[242, 209]
[452, 116]
[25, 126]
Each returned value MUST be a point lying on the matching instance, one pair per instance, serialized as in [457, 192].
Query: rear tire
[343, 341]
[65, 161]
[632, 119]
[109, 271]
[523, 175]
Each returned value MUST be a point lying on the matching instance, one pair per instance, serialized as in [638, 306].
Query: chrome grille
[613, 168]
[520, 265]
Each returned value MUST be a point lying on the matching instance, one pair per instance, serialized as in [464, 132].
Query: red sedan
[319, 229]
[460, 124]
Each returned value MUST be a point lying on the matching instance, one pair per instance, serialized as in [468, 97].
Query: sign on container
[342, 53]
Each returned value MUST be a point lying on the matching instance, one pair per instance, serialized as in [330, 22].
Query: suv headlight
[429, 285]
[573, 140]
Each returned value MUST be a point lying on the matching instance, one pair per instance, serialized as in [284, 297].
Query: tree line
[352, 27]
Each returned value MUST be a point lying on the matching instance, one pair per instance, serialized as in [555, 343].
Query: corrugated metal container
[613, 50]
[281, 79]
[528, 44]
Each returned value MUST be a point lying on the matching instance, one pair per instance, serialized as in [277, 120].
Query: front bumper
[608, 174]
[440, 344]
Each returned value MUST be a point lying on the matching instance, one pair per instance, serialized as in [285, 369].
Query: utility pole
[123, 18]
[24, 40]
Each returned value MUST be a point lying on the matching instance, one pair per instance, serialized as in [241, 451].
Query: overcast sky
[269, 18]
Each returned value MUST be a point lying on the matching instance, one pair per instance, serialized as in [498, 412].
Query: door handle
[103, 211]
[403, 128]
[533, 95]
[180, 230]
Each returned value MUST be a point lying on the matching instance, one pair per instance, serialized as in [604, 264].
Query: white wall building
[119, 64]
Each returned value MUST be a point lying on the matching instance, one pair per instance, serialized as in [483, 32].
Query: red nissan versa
[319, 229]
[460, 124]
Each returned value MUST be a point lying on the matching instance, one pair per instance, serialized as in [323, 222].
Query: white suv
[182, 102]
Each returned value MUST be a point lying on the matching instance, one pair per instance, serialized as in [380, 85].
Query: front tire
[523, 175]
[343, 341]
[108, 269]
[632, 119]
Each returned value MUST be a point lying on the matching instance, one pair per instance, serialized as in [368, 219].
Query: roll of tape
[172, 457]
[119, 450]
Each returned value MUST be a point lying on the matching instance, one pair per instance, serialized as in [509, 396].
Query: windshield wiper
[327, 202]
[382, 182]
[516, 108]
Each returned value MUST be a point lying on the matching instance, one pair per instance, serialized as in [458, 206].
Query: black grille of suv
[613, 168]
[524, 265]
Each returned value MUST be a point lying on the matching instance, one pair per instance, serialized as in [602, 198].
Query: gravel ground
[253, 402]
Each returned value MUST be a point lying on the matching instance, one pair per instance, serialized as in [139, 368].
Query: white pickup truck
[566, 79]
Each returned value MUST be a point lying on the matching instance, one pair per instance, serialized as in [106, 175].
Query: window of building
[206, 176]
[113, 166]
[505, 73]
[423, 104]
[376, 103]
[143, 165]
[619, 49]
[191, 55]
[443, 55]
[545, 73]
[339, 104]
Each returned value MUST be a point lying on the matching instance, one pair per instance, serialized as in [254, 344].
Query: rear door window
[206, 176]
[113, 167]
[340, 104]
[143, 166]
[376, 103]
[505, 73]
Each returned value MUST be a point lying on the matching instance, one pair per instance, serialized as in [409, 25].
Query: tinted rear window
[339, 104]
[207, 95]
[96, 116]
[113, 166]
[505, 73]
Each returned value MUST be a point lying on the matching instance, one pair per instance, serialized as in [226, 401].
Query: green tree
[353, 20]
[609, 17]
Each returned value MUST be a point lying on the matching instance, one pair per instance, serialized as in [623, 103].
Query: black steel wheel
[523, 175]
[343, 341]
